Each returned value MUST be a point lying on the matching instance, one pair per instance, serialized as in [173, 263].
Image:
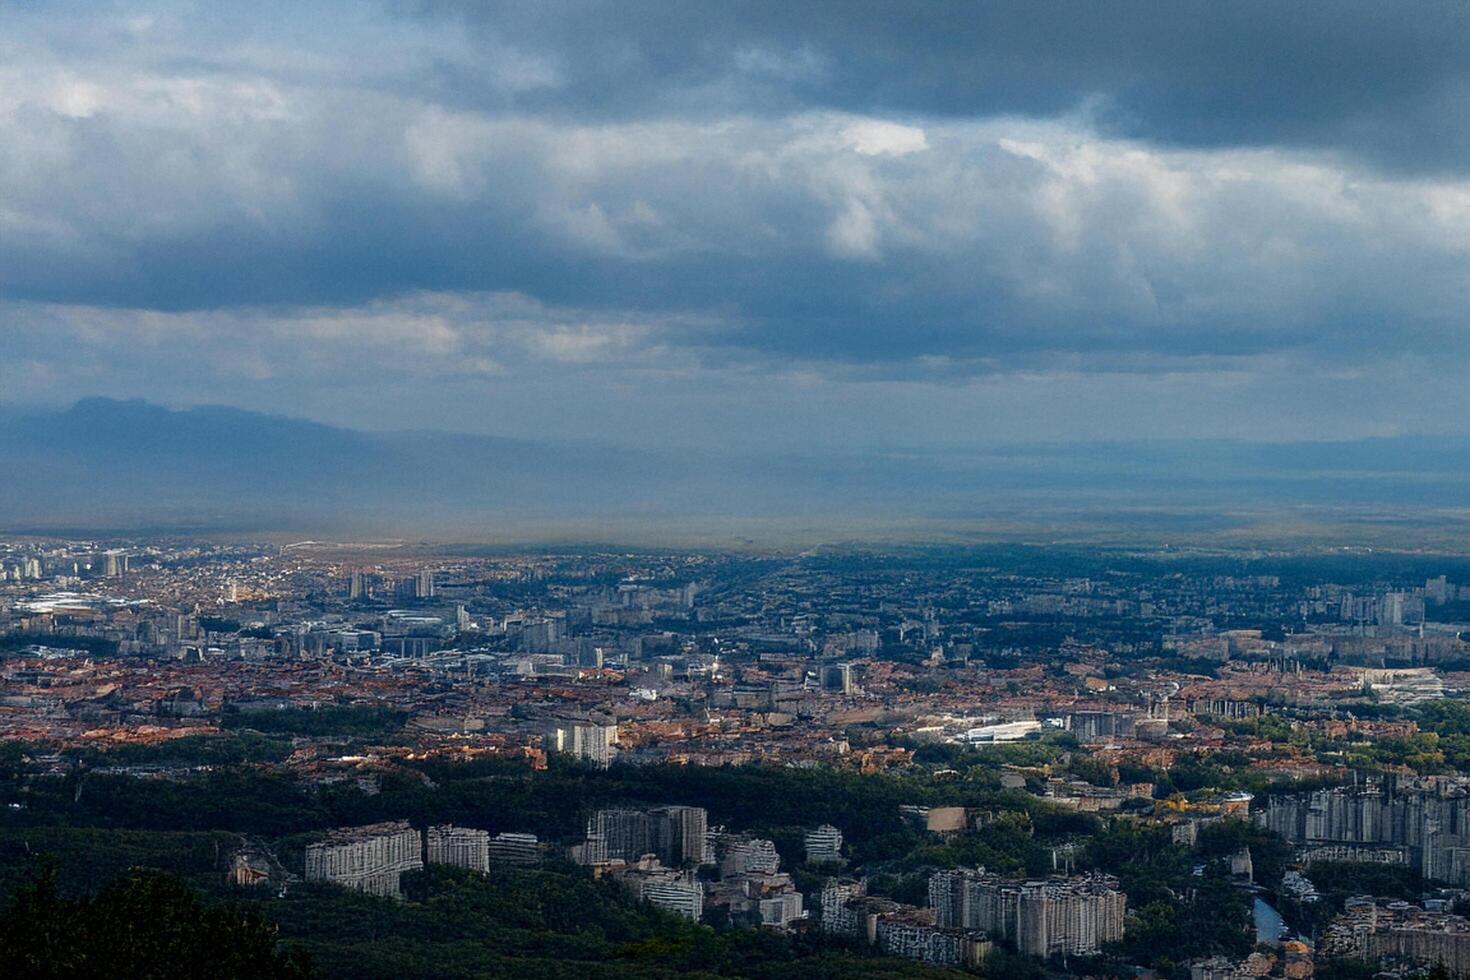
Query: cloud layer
[664, 221]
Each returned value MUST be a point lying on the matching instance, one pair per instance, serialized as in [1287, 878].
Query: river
[1269, 925]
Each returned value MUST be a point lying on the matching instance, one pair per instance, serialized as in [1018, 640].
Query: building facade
[370, 858]
[1047, 917]
[463, 847]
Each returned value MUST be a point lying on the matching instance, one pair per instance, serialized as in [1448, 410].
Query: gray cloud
[700, 211]
[1385, 81]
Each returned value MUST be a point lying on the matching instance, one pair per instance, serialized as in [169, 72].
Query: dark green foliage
[141, 926]
[90, 859]
[498, 797]
[1340, 880]
[193, 750]
[1008, 846]
[1211, 916]
[911, 888]
[1132, 772]
[95, 645]
[242, 800]
[1178, 916]
[1269, 853]
[559, 923]
[1002, 964]
[543, 924]
[1190, 774]
[327, 720]
[12, 759]
[1449, 719]
[1149, 866]
[1344, 969]
[1090, 770]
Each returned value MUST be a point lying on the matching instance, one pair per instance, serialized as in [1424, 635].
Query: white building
[747, 855]
[823, 845]
[463, 847]
[780, 911]
[369, 858]
[1056, 915]
[594, 743]
[684, 898]
[517, 850]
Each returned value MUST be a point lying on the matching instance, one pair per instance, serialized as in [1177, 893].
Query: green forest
[82, 851]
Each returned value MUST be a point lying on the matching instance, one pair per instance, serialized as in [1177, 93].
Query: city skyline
[863, 489]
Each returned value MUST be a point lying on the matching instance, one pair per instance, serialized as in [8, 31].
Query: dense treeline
[1179, 915]
[557, 923]
[141, 925]
[458, 925]
[94, 645]
[190, 750]
[324, 721]
[90, 859]
[547, 923]
[1294, 570]
[505, 796]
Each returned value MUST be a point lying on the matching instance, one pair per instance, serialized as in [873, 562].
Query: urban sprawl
[1072, 761]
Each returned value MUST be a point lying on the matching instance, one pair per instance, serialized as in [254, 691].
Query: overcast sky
[735, 224]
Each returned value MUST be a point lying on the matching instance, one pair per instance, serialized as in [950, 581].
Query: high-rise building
[426, 584]
[357, 585]
[626, 835]
[594, 743]
[1047, 917]
[1399, 931]
[679, 834]
[1428, 817]
[681, 897]
[515, 850]
[779, 911]
[898, 929]
[369, 858]
[676, 834]
[839, 918]
[592, 851]
[115, 563]
[1391, 609]
[538, 637]
[823, 845]
[463, 847]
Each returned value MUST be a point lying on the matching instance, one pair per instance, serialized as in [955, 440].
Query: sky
[746, 224]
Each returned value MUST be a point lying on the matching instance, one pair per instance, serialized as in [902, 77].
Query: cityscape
[1015, 759]
[742, 490]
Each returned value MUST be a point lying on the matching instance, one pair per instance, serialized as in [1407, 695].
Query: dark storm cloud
[835, 238]
[630, 195]
[1389, 82]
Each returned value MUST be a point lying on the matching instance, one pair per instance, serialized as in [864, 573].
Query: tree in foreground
[145, 926]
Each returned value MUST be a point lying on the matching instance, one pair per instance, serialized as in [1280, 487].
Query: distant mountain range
[106, 464]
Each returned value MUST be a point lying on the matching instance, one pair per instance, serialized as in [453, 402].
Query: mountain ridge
[136, 462]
